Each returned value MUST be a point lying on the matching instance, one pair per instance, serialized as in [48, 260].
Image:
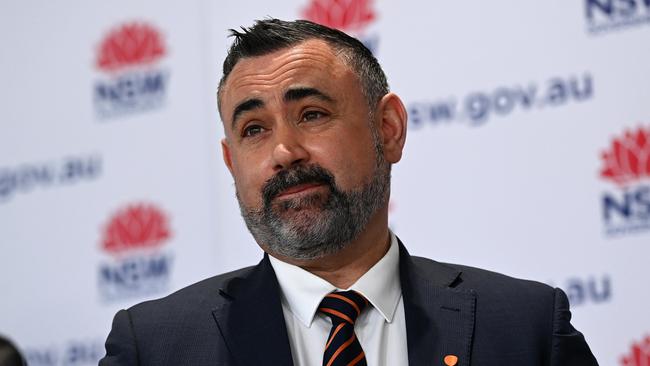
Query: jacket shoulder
[484, 281]
[202, 294]
[516, 302]
[169, 330]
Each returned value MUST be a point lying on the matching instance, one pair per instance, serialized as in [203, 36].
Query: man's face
[308, 168]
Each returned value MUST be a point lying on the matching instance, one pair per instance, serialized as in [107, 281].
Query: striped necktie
[343, 347]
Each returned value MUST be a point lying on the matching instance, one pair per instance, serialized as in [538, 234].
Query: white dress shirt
[381, 328]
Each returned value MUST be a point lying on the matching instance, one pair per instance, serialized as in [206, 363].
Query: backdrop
[528, 153]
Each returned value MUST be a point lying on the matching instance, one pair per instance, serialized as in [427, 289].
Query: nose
[289, 149]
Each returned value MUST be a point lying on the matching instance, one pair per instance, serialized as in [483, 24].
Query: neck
[343, 268]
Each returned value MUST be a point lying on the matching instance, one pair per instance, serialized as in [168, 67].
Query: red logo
[130, 44]
[639, 355]
[628, 159]
[346, 15]
[136, 226]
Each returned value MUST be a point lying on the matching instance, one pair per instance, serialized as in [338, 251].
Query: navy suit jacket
[483, 318]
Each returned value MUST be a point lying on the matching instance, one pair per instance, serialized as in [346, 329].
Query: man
[311, 133]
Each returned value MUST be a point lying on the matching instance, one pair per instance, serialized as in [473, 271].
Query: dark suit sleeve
[120, 345]
[569, 345]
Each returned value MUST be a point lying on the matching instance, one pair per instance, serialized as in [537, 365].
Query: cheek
[248, 171]
[352, 161]
[248, 187]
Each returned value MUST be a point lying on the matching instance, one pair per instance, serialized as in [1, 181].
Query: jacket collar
[250, 309]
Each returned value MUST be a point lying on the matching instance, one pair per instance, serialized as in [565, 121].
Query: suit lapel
[439, 318]
[251, 320]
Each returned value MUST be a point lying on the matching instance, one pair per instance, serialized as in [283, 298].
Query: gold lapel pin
[451, 360]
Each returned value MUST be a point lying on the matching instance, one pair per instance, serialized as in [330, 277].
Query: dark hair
[270, 35]
[9, 354]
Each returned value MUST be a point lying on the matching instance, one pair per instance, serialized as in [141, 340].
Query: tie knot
[344, 306]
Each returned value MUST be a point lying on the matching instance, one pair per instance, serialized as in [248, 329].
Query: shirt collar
[303, 291]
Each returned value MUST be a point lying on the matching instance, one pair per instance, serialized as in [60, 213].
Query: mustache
[300, 174]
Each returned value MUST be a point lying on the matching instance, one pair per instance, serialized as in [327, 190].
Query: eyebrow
[295, 94]
[245, 106]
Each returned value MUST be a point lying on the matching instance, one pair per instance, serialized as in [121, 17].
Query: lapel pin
[451, 360]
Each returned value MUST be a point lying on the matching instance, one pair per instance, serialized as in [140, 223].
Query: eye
[312, 115]
[252, 130]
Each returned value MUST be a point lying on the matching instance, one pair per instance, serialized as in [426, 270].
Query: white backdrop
[528, 153]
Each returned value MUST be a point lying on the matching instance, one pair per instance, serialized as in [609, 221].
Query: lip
[301, 188]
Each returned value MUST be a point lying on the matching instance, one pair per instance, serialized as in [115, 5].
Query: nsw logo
[132, 80]
[626, 165]
[607, 15]
[136, 262]
[351, 16]
[639, 355]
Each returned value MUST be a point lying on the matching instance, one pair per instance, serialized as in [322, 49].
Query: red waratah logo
[136, 226]
[131, 44]
[347, 15]
[639, 355]
[628, 159]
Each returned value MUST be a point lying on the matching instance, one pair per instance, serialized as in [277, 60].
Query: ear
[391, 118]
[225, 149]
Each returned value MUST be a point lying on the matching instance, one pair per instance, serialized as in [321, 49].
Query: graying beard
[331, 231]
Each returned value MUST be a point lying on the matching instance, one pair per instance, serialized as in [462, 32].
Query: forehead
[312, 63]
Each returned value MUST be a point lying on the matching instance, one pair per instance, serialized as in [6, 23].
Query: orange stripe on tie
[337, 313]
[341, 349]
[354, 304]
[357, 359]
[334, 334]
